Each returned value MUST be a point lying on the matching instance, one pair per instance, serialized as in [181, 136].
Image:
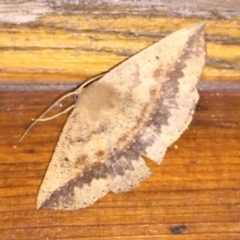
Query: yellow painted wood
[67, 48]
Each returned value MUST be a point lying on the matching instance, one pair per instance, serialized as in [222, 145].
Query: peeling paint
[19, 13]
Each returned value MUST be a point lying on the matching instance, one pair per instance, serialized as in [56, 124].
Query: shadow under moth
[137, 109]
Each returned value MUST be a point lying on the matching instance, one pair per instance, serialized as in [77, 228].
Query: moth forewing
[137, 109]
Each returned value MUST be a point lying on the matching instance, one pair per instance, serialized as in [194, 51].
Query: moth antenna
[55, 115]
[45, 112]
[90, 81]
[40, 118]
[27, 130]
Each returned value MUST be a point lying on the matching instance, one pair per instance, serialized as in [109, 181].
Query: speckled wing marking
[139, 108]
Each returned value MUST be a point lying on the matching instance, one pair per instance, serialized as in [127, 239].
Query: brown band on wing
[64, 195]
[159, 111]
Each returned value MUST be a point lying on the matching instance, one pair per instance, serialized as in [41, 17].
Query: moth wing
[160, 83]
[138, 108]
[77, 175]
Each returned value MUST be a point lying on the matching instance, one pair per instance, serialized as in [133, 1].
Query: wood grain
[70, 41]
[193, 194]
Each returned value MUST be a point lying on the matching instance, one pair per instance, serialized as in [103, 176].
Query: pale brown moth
[139, 108]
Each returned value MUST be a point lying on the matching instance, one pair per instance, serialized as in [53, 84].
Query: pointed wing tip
[43, 204]
[200, 25]
[40, 206]
[197, 27]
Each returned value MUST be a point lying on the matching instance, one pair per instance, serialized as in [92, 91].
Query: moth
[137, 109]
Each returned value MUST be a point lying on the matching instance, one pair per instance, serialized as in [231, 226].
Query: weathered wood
[69, 41]
[18, 11]
[193, 194]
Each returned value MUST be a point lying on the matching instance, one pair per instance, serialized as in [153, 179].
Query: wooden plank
[193, 194]
[70, 41]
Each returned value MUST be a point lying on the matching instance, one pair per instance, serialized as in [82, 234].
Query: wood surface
[193, 194]
[70, 41]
